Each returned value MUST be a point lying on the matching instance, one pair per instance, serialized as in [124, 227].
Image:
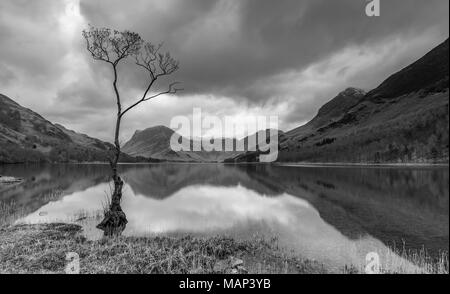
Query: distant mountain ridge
[150, 142]
[154, 142]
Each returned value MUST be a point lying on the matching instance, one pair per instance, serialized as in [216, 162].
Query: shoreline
[344, 164]
[305, 164]
[43, 248]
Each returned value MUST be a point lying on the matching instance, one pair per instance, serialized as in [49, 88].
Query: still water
[334, 215]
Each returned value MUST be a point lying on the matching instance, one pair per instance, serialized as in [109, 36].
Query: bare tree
[114, 47]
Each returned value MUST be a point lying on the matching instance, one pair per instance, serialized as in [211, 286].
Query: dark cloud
[85, 95]
[29, 36]
[225, 46]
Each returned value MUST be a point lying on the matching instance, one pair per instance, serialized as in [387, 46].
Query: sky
[238, 58]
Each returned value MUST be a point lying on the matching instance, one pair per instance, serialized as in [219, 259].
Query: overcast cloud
[237, 58]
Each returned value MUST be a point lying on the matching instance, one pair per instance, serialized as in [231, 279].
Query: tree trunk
[115, 220]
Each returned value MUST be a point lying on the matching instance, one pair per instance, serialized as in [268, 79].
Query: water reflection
[335, 215]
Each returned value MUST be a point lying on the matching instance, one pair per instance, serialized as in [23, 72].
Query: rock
[235, 262]
[10, 180]
[242, 270]
[232, 265]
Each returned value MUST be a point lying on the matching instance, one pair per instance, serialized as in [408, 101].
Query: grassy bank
[43, 249]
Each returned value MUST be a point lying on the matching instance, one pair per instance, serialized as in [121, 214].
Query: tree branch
[113, 47]
[170, 90]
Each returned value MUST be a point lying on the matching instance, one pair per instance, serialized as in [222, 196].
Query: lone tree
[113, 47]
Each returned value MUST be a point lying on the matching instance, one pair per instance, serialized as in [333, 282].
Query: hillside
[25, 136]
[427, 75]
[405, 119]
[330, 112]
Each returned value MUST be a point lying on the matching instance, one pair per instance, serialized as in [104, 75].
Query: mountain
[427, 75]
[83, 140]
[155, 143]
[152, 142]
[251, 144]
[405, 119]
[330, 112]
[25, 136]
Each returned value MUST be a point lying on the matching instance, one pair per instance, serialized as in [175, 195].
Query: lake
[332, 214]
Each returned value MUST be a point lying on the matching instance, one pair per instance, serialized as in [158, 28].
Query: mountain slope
[331, 112]
[25, 136]
[405, 119]
[84, 140]
[152, 142]
[428, 74]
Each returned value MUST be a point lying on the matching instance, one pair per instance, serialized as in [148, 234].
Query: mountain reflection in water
[332, 214]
